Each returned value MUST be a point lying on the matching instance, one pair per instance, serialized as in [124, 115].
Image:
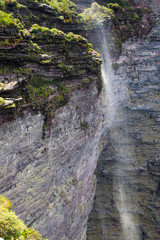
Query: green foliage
[59, 100]
[96, 15]
[38, 30]
[121, 3]
[11, 227]
[86, 83]
[10, 106]
[5, 3]
[73, 37]
[5, 202]
[62, 9]
[38, 91]
[7, 20]
[2, 102]
[65, 9]
[114, 6]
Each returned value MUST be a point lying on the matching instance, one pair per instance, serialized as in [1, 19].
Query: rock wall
[82, 4]
[51, 119]
[50, 182]
[131, 153]
[49, 137]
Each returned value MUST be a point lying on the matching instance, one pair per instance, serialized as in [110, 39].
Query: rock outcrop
[52, 117]
[50, 123]
[51, 182]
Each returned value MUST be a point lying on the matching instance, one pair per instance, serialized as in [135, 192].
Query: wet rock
[129, 162]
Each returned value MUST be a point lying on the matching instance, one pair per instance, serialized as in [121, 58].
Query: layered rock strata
[50, 124]
[131, 154]
[42, 13]
[51, 182]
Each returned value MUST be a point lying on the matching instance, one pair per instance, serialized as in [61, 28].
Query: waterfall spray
[115, 94]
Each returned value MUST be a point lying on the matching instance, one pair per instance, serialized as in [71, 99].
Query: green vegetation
[6, 20]
[63, 9]
[48, 48]
[121, 3]
[126, 21]
[10, 106]
[5, 202]
[5, 3]
[37, 91]
[126, 24]
[97, 15]
[38, 31]
[11, 227]
[86, 83]
[2, 101]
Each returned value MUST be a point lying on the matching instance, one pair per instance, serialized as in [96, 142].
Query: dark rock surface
[50, 177]
[50, 90]
[83, 4]
[131, 154]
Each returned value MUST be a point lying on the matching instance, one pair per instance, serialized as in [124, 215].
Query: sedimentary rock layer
[131, 155]
[50, 123]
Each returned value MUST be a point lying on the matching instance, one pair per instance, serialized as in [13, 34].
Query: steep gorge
[52, 121]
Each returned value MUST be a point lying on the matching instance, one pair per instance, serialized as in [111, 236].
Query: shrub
[5, 202]
[11, 227]
[96, 15]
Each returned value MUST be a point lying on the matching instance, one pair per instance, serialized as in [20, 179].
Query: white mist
[115, 94]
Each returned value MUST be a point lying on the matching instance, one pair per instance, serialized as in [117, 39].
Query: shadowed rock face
[154, 4]
[49, 85]
[132, 146]
[50, 182]
[82, 4]
[50, 179]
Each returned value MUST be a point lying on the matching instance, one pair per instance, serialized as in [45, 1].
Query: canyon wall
[132, 146]
[51, 120]
[50, 182]
[52, 115]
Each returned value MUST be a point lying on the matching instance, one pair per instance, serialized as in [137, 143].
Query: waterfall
[115, 94]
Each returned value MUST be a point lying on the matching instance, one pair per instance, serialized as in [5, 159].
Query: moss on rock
[11, 227]
[6, 20]
[123, 20]
[2, 101]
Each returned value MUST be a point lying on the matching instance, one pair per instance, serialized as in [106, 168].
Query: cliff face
[131, 154]
[50, 122]
[51, 182]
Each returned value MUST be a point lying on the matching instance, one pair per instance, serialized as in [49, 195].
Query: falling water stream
[124, 171]
[115, 95]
